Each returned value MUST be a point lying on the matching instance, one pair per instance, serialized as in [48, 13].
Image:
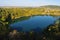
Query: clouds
[32, 3]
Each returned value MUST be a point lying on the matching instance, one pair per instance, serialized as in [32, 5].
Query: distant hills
[47, 6]
[50, 6]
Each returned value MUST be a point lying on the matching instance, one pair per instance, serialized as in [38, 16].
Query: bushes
[3, 32]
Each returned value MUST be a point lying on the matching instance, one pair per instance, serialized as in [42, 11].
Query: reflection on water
[33, 23]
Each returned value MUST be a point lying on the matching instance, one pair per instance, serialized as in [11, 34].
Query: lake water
[33, 23]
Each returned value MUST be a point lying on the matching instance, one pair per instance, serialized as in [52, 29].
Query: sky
[29, 3]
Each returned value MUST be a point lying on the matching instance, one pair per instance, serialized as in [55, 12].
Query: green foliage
[19, 12]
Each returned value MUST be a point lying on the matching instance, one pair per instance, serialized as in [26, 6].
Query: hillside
[17, 12]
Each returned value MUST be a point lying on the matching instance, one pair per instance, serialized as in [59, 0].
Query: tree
[9, 19]
[59, 24]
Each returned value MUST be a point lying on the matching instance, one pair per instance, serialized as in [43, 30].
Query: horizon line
[29, 6]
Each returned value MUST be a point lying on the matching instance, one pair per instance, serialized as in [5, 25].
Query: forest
[8, 15]
[20, 12]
